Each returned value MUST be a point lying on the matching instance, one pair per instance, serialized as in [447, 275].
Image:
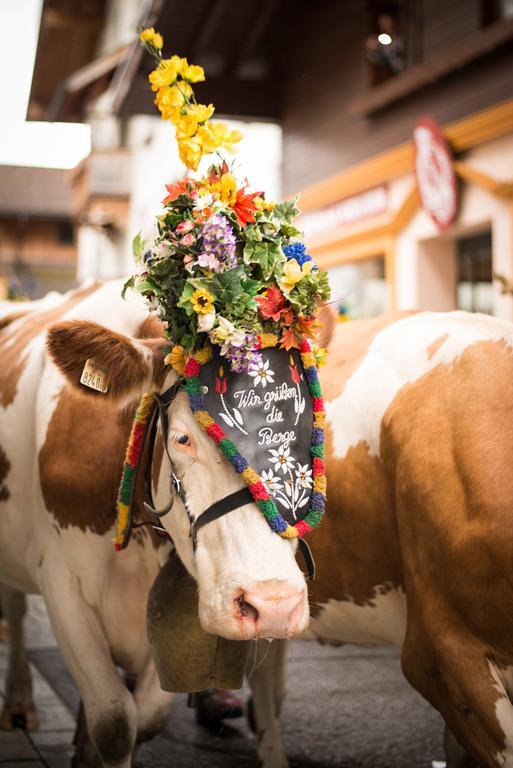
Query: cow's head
[248, 580]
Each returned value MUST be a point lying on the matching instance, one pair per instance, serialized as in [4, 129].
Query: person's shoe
[217, 704]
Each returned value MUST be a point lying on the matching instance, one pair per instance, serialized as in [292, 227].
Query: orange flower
[244, 206]
[183, 187]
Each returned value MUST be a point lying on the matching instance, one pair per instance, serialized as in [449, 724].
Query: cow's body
[417, 545]
[60, 462]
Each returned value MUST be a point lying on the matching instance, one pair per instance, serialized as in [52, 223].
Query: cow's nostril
[246, 610]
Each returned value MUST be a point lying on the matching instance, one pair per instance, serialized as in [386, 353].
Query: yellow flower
[203, 355]
[165, 74]
[228, 188]
[151, 37]
[263, 205]
[171, 100]
[187, 121]
[202, 301]
[269, 340]
[190, 152]
[293, 273]
[193, 73]
[320, 354]
[176, 359]
[217, 135]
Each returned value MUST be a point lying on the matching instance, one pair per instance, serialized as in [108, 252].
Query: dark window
[495, 10]
[475, 292]
[66, 232]
[385, 46]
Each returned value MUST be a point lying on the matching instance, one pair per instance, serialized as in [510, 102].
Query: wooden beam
[462, 135]
[457, 56]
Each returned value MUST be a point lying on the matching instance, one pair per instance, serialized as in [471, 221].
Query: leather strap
[220, 508]
[305, 550]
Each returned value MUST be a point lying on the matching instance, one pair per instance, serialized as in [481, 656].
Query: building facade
[38, 244]
[348, 83]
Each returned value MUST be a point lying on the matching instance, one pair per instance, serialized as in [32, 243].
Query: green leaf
[129, 284]
[138, 246]
[287, 210]
[146, 285]
[265, 254]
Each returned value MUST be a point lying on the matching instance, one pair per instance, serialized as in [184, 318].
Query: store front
[383, 246]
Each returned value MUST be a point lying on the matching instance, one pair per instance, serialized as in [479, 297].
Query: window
[385, 43]
[474, 264]
[66, 233]
[359, 289]
[495, 10]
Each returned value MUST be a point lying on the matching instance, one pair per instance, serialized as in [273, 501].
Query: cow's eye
[182, 439]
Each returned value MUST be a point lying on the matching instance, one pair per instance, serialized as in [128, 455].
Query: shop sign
[348, 211]
[435, 173]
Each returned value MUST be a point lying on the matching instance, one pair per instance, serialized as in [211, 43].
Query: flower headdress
[229, 275]
[228, 267]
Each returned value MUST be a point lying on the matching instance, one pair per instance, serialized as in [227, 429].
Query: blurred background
[393, 119]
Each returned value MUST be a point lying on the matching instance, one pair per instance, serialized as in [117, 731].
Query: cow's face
[248, 581]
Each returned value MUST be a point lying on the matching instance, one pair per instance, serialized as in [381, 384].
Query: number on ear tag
[93, 377]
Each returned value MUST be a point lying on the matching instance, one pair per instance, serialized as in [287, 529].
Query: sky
[53, 145]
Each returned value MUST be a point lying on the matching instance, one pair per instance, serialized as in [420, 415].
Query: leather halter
[216, 510]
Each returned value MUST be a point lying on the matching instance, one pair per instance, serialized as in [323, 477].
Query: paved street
[347, 707]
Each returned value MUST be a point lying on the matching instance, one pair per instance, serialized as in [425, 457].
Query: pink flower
[184, 227]
[208, 261]
[188, 262]
[188, 239]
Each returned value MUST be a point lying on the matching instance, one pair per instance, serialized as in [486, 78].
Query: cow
[61, 455]
[416, 549]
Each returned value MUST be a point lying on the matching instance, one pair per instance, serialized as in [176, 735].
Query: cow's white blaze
[397, 356]
[381, 620]
[237, 556]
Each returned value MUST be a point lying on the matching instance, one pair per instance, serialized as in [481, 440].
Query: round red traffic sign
[435, 173]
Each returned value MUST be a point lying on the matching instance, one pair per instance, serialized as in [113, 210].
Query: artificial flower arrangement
[228, 267]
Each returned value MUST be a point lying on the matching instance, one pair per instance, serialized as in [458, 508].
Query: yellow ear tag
[93, 377]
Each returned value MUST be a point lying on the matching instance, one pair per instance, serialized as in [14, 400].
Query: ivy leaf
[129, 284]
[138, 246]
[266, 254]
[287, 210]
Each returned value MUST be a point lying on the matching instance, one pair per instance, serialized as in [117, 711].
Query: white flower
[304, 475]
[206, 322]
[281, 459]
[204, 201]
[261, 374]
[227, 335]
[271, 481]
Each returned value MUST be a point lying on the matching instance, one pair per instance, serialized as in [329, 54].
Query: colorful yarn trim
[132, 458]
[263, 500]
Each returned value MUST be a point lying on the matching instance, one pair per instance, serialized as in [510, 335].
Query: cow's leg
[18, 709]
[455, 755]
[153, 704]
[454, 673]
[266, 678]
[110, 710]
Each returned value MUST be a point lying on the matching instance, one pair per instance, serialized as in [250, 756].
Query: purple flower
[219, 241]
[246, 356]
[209, 261]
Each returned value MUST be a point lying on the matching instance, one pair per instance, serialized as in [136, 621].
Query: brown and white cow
[61, 455]
[416, 548]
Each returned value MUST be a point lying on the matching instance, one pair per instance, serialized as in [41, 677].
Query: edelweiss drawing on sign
[279, 400]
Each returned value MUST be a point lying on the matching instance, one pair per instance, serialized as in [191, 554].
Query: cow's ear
[328, 318]
[100, 362]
